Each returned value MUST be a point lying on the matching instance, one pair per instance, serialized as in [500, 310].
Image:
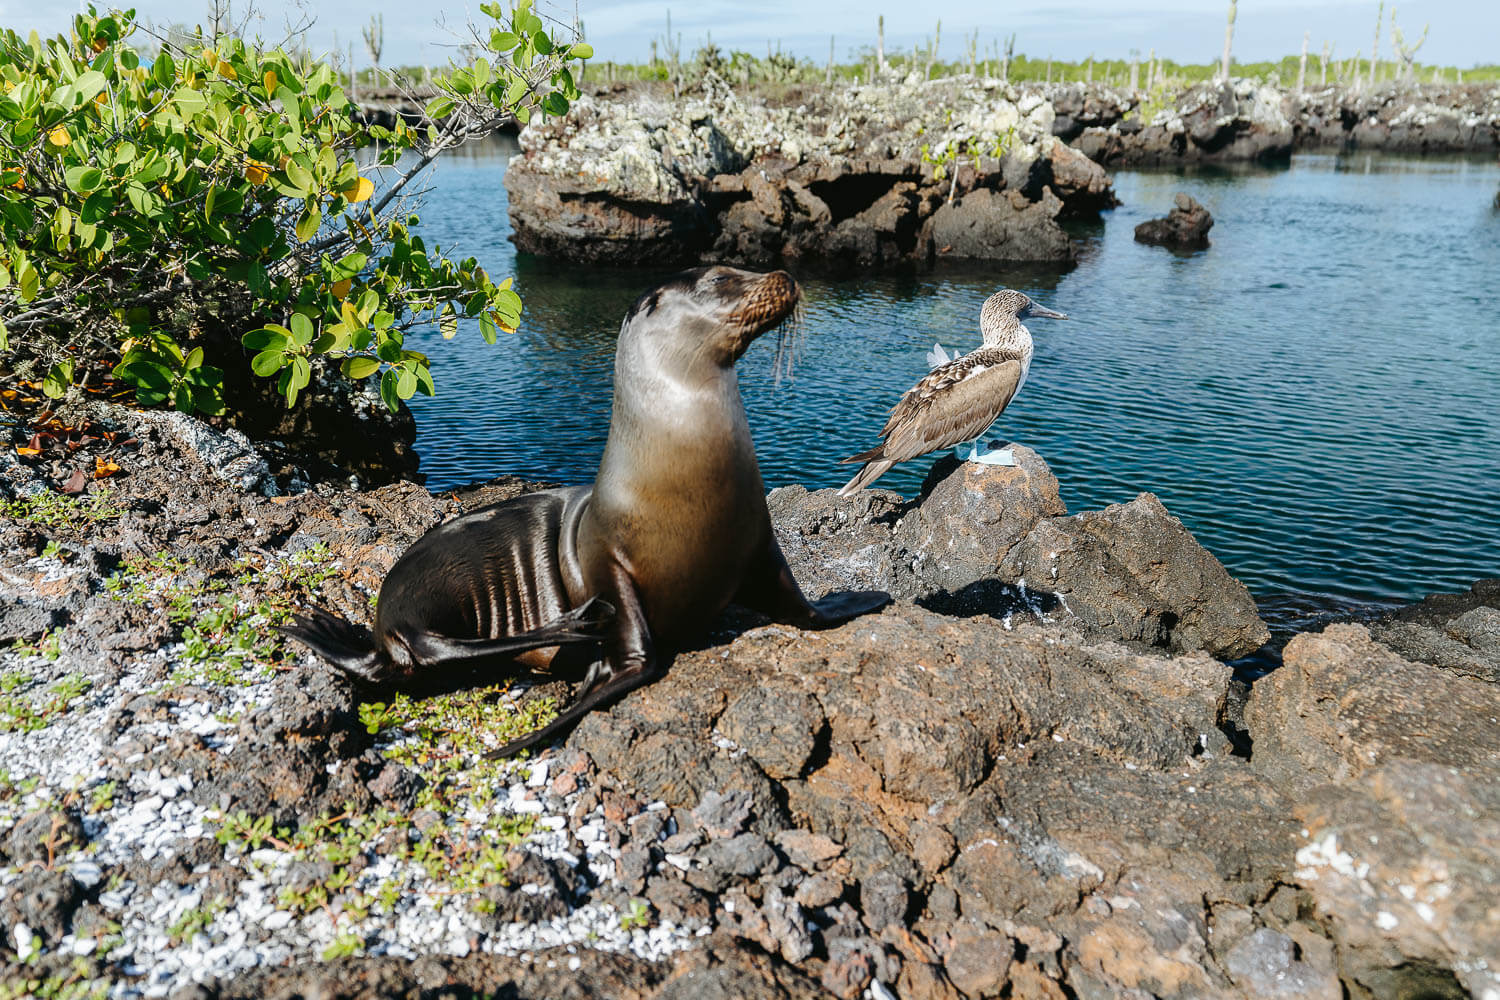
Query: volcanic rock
[1185, 227]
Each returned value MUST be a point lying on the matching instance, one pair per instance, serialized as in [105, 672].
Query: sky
[1463, 32]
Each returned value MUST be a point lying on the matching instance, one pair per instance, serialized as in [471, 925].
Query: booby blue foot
[995, 456]
[985, 456]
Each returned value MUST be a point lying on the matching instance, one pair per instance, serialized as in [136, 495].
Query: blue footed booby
[956, 402]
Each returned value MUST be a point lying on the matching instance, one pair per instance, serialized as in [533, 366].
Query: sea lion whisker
[790, 336]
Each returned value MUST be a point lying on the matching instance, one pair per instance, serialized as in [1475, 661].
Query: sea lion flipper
[584, 624]
[835, 609]
[770, 588]
[630, 662]
[347, 646]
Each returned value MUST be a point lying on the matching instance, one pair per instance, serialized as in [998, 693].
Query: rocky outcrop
[1259, 122]
[1402, 118]
[1185, 227]
[1236, 121]
[1027, 777]
[995, 540]
[862, 178]
[1392, 764]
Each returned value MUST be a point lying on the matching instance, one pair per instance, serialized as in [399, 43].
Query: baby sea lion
[960, 398]
[674, 528]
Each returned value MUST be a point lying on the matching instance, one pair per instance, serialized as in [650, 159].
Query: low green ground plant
[459, 848]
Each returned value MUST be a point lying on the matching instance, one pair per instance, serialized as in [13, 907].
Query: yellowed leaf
[257, 173]
[360, 190]
[59, 137]
[269, 81]
[340, 289]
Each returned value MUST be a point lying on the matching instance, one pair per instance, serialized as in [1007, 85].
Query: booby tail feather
[875, 467]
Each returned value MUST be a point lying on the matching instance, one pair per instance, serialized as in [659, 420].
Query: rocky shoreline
[856, 179]
[1031, 776]
[902, 173]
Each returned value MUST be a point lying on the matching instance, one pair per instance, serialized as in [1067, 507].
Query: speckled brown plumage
[958, 400]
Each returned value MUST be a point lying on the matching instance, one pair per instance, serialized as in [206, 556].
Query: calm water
[1315, 396]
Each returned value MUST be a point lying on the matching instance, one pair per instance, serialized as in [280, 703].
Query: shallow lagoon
[1315, 395]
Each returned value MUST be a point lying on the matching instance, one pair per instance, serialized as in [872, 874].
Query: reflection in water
[1314, 395]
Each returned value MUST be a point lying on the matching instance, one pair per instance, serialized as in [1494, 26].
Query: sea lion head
[710, 314]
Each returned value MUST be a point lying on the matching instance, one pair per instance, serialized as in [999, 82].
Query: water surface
[1315, 395]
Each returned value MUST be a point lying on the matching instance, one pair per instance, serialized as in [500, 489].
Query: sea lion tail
[347, 646]
[875, 467]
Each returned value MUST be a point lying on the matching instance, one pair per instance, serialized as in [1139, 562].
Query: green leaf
[57, 380]
[83, 179]
[193, 360]
[301, 179]
[555, 104]
[4, 277]
[153, 382]
[389, 351]
[302, 330]
[30, 282]
[369, 301]
[542, 42]
[268, 362]
[347, 267]
[164, 69]
[89, 85]
[269, 335]
[4, 339]
[583, 50]
[448, 323]
[388, 390]
[358, 368]
[406, 382]
[488, 328]
[308, 223]
[503, 41]
[439, 108]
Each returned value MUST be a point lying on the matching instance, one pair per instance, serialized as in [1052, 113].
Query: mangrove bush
[147, 202]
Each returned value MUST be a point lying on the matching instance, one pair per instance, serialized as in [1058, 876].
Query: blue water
[1315, 395]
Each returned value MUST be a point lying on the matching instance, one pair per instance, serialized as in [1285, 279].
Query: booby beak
[1044, 312]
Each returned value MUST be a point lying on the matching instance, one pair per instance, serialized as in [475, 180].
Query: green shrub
[131, 192]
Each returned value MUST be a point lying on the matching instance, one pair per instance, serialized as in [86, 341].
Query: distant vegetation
[945, 56]
[739, 67]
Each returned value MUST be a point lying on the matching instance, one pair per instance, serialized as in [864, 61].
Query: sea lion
[674, 528]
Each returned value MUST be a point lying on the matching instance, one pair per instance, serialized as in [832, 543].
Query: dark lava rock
[782, 725]
[1460, 632]
[995, 540]
[44, 836]
[1185, 227]
[1396, 769]
[1132, 571]
[991, 225]
[838, 185]
[42, 900]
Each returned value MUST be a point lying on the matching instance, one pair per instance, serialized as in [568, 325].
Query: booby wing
[953, 403]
